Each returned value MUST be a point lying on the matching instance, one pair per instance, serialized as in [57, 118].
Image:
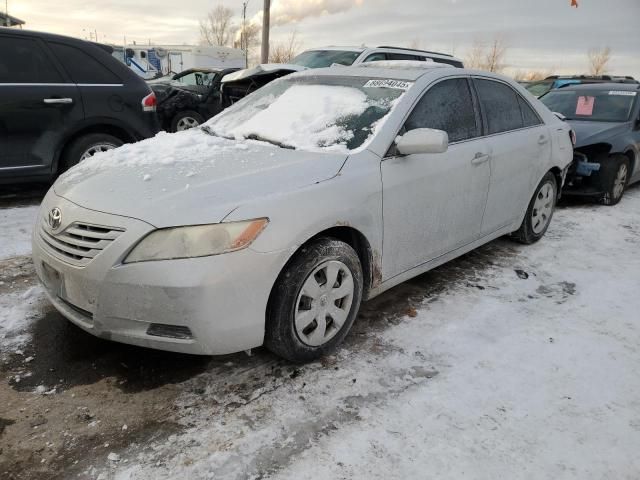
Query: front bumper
[581, 177]
[221, 300]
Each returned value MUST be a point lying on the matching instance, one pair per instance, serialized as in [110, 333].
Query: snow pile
[15, 234]
[18, 310]
[189, 148]
[307, 117]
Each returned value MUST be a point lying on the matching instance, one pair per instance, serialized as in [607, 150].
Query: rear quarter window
[83, 67]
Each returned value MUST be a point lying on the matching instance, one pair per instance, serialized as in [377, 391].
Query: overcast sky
[541, 34]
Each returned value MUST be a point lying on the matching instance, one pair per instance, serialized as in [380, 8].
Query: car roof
[603, 86]
[397, 70]
[383, 48]
[52, 36]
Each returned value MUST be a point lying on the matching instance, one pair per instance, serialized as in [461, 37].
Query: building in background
[7, 20]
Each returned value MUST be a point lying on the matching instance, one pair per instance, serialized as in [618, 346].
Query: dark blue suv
[63, 100]
[606, 120]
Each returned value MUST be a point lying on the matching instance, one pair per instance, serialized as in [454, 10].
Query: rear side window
[82, 67]
[401, 56]
[501, 106]
[22, 60]
[447, 106]
[529, 116]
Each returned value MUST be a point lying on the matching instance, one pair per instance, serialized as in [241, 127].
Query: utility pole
[264, 58]
[6, 11]
[244, 41]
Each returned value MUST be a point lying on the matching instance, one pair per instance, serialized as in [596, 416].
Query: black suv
[63, 100]
[541, 87]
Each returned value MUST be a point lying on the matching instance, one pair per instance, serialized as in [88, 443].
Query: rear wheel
[86, 147]
[613, 178]
[186, 120]
[540, 210]
[315, 301]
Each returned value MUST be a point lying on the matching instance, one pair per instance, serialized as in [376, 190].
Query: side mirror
[422, 140]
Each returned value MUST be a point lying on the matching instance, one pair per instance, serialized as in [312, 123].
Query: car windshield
[311, 113]
[591, 105]
[325, 58]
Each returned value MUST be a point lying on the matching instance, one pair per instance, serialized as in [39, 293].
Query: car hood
[190, 177]
[588, 133]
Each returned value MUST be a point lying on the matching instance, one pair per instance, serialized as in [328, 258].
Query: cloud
[290, 11]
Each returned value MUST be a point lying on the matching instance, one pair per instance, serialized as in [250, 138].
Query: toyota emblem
[55, 218]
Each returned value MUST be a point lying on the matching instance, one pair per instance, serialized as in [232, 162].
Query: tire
[540, 211]
[186, 120]
[613, 178]
[87, 146]
[302, 287]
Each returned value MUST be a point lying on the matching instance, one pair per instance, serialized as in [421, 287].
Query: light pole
[6, 11]
[264, 57]
[244, 40]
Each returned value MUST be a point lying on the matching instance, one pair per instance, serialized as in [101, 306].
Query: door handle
[58, 100]
[480, 158]
[542, 140]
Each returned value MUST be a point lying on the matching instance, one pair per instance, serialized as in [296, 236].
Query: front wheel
[541, 208]
[613, 177]
[315, 301]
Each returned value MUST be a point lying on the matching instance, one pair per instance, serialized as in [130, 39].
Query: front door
[36, 102]
[434, 203]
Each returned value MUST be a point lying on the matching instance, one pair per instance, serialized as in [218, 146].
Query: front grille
[80, 242]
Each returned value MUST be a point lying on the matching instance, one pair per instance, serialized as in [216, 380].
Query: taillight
[149, 103]
[572, 136]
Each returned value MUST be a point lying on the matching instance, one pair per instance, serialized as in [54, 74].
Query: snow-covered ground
[15, 234]
[522, 364]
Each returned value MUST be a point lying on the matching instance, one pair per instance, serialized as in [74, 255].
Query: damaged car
[606, 120]
[189, 98]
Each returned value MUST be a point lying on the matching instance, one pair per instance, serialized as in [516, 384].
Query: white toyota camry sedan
[276, 219]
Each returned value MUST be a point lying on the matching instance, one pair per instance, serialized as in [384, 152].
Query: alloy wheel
[324, 303]
[185, 123]
[620, 182]
[93, 149]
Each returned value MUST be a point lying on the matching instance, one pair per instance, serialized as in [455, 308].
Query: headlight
[196, 241]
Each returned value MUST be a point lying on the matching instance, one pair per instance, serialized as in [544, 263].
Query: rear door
[101, 89]
[38, 104]
[520, 145]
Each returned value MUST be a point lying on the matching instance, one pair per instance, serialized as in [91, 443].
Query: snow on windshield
[308, 116]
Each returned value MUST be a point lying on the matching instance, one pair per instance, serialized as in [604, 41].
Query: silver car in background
[273, 222]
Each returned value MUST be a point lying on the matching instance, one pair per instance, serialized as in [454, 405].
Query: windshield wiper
[253, 136]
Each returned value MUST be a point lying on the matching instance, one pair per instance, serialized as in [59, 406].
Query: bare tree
[218, 27]
[533, 75]
[488, 57]
[598, 60]
[285, 51]
[416, 44]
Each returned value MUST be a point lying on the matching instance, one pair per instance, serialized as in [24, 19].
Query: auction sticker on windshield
[622, 93]
[381, 83]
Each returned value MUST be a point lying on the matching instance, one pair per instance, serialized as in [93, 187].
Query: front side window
[325, 58]
[82, 67]
[336, 114]
[447, 106]
[23, 61]
[501, 106]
